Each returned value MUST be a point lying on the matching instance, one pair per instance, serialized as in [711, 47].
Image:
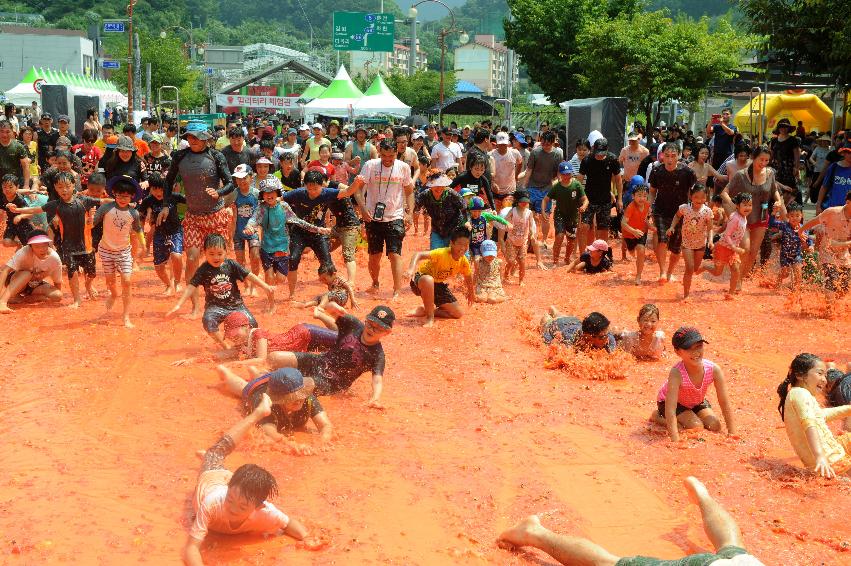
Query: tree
[421, 90]
[649, 59]
[812, 33]
[169, 66]
[543, 33]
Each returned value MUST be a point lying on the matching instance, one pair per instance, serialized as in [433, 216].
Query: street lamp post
[463, 38]
[194, 50]
[130, 93]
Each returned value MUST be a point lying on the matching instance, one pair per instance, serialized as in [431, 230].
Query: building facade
[488, 64]
[364, 63]
[22, 48]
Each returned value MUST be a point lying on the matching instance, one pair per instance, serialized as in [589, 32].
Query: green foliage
[169, 66]
[544, 32]
[649, 58]
[811, 33]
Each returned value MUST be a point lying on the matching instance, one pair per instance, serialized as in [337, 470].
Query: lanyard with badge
[378, 213]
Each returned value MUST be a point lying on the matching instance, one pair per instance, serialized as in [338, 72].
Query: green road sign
[363, 31]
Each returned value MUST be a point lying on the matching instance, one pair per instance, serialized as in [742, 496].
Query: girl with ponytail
[806, 420]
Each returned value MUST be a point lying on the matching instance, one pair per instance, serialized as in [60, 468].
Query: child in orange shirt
[634, 227]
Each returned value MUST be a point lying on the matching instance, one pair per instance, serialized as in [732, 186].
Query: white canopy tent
[29, 88]
[337, 100]
[380, 100]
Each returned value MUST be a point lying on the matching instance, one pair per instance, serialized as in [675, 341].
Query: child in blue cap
[488, 275]
[478, 224]
[570, 200]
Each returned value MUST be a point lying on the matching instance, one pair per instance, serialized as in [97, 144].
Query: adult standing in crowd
[507, 163]
[600, 170]
[46, 137]
[723, 138]
[541, 171]
[786, 160]
[14, 157]
[387, 208]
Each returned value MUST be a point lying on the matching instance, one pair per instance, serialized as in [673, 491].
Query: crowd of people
[237, 206]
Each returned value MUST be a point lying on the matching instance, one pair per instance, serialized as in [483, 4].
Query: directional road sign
[110, 64]
[363, 31]
[113, 27]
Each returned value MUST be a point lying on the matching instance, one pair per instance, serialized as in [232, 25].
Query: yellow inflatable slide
[807, 108]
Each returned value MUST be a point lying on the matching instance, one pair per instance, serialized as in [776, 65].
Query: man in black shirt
[481, 147]
[237, 153]
[45, 140]
[600, 170]
[670, 183]
[65, 129]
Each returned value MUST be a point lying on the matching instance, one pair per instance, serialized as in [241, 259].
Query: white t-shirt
[505, 166]
[523, 224]
[387, 185]
[444, 157]
[25, 260]
[117, 225]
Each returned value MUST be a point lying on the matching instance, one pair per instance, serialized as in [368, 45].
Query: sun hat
[124, 143]
[783, 123]
[197, 130]
[598, 246]
[38, 239]
[140, 194]
[269, 185]
[233, 322]
[476, 203]
[686, 337]
[383, 316]
[289, 384]
[488, 248]
[264, 161]
[521, 139]
[304, 128]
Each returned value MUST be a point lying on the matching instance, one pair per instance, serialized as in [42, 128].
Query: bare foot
[523, 533]
[695, 489]
[638, 280]
[553, 311]
[168, 292]
[662, 279]
[110, 300]
[429, 323]
[194, 315]
[127, 323]
[672, 278]
[373, 288]
[397, 296]
[5, 309]
[93, 293]
[74, 305]
[419, 311]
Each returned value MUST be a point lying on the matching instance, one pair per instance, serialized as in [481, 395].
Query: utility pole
[148, 101]
[130, 66]
[137, 74]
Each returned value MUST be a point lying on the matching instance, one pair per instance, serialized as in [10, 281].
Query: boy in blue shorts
[245, 205]
[167, 233]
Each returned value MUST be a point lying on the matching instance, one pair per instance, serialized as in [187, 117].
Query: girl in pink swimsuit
[681, 401]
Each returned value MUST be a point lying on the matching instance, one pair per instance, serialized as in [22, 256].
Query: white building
[367, 62]
[22, 48]
[488, 64]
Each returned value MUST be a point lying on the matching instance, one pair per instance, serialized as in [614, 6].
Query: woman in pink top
[682, 399]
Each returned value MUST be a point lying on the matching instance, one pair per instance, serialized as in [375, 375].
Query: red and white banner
[250, 101]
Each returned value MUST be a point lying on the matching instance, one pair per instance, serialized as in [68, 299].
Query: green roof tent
[29, 89]
[380, 100]
[313, 90]
[338, 99]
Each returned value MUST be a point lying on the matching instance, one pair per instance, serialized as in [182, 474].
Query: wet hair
[386, 144]
[5, 124]
[799, 366]
[583, 143]
[794, 207]
[64, 154]
[9, 178]
[236, 132]
[424, 160]
[124, 187]
[287, 156]
[315, 176]
[64, 177]
[477, 159]
[697, 148]
[253, 482]
[548, 136]
[756, 152]
[267, 144]
[155, 180]
[90, 135]
[742, 197]
[697, 188]
[215, 241]
[741, 148]
[594, 323]
[327, 268]
[128, 128]
[717, 199]
[641, 189]
[97, 179]
[482, 134]
[649, 309]
[671, 145]
[459, 232]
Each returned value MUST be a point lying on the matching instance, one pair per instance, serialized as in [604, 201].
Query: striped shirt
[689, 395]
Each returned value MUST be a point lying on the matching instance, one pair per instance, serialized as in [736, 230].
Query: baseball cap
[419, 134]
[598, 245]
[521, 139]
[318, 125]
[157, 138]
[269, 185]
[336, 155]
[197, 130]
[488, 248]
[38, 239]
[502, 138]
[476, 203]
[292, 131]
[636, 181]
[233, 322]
[63, 140]
[382, 315]
[241, 171]
[264, 160]
[439, 181]
[46, 116]
[63, 118]
[601, 145]
[304, 127]
[465, 192]
[289, 384]
[686, 337]
[565, 168]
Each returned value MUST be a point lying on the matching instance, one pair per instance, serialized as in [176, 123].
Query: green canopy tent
[337, 100]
